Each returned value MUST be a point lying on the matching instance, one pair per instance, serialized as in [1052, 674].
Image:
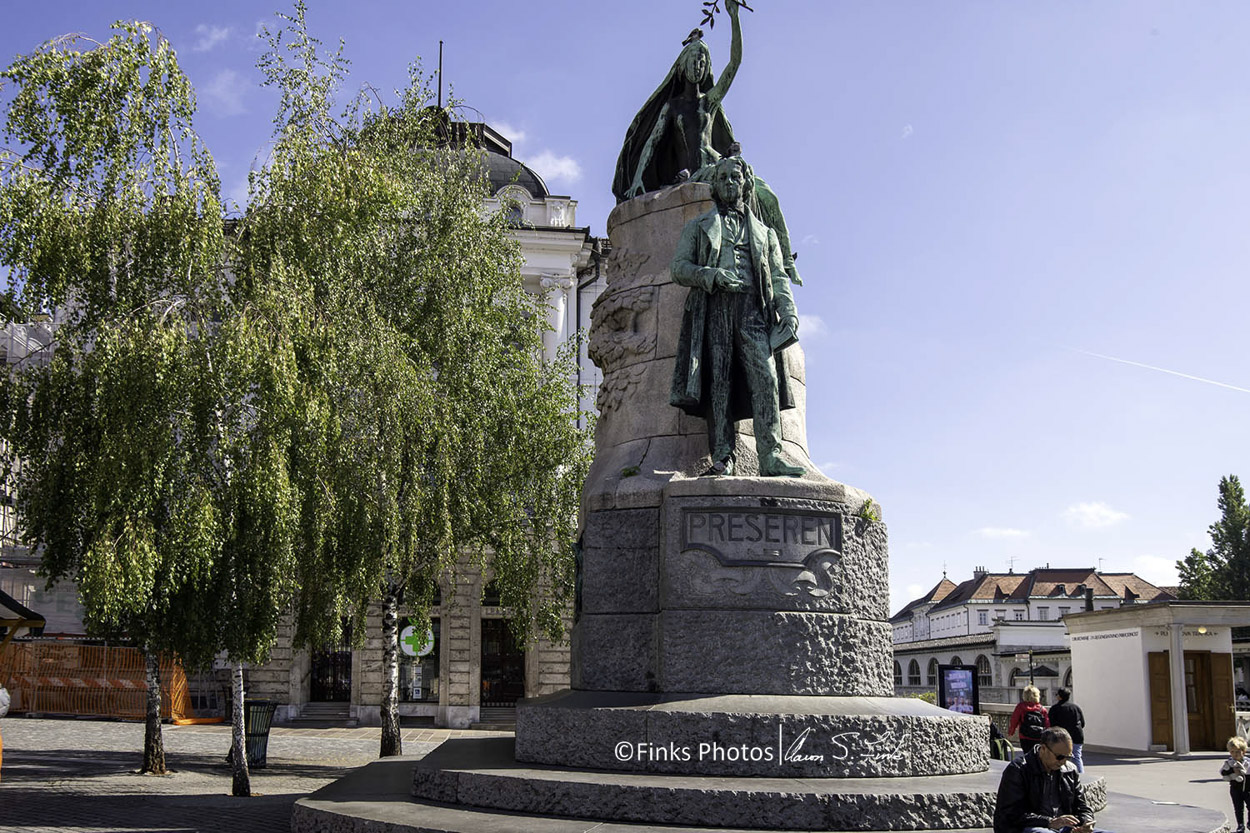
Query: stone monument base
[484, 773]
[767, 736]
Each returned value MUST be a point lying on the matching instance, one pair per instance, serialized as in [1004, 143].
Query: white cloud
[256, 43]
[555, 168]
[907, 131]
[1156, 569]
[512, 134]
[809, 240]
[1096, 515]
[224, 94]
[812, 326]
[210, 36]
[1000, 532]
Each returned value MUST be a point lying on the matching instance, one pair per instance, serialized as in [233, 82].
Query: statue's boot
[773, 465]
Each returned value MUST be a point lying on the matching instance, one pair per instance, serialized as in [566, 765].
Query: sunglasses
[1059, 758]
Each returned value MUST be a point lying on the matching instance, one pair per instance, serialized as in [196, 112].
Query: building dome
[504, 171]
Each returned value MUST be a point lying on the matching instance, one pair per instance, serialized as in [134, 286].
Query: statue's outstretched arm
[636, 188]
[717, 93]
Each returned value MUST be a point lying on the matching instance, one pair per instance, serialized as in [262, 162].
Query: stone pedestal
[735, 585]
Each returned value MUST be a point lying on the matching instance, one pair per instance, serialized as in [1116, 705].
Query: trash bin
[257, 718]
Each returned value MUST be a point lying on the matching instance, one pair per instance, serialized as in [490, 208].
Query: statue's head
[729, 180]
[695, 62]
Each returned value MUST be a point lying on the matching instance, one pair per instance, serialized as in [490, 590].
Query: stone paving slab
[74, 775]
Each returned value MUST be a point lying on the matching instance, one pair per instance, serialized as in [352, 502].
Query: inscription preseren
[761, 537]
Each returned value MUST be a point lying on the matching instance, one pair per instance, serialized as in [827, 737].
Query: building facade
[1158, 677]
[1009, 625]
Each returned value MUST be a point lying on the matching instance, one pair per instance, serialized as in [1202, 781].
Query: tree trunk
[153, 742]
[392, 742]
[242, 783]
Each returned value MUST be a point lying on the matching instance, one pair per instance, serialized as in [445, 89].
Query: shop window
[418, 676]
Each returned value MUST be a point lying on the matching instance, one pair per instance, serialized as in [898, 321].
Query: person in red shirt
[1029, 719]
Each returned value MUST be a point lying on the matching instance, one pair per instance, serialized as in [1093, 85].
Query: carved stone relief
[616, 342]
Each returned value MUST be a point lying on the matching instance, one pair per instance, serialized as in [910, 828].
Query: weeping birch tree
[155, 445]
[435, 432]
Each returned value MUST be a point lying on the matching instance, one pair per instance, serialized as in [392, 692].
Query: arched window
[898, 673]
[1067, 680]
[956, 661]
[933, 664]
[913, 673]
[1019, 676]
[985, 677]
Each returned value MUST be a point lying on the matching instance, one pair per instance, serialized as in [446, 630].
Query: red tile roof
[1043, 583]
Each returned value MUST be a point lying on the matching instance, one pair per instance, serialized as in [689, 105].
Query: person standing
[1234, 772]
[1029, 719]
[1068, 715]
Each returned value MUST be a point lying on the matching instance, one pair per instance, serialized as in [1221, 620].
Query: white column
[557, 287]
[1180, 709]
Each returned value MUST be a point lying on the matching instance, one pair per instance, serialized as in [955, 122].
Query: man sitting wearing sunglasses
[1041, 791]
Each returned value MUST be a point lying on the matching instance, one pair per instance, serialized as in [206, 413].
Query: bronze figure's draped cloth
[670, 157]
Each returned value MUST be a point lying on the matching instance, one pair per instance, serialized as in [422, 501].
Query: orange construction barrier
[88, 680]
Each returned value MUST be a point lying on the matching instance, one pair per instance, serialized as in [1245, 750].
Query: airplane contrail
[1160, 369]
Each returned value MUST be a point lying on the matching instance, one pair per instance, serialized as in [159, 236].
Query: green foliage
[1223, 572]
[927, 696]
[430, 425]
[154, 468]
[358, 399]
[870, 511]
[1197, 577]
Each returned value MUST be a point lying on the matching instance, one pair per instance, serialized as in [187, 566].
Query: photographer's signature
[842, 747]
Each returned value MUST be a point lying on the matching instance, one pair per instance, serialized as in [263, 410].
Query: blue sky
[1013, 220]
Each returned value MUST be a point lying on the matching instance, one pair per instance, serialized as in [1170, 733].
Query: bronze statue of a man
[739, 317]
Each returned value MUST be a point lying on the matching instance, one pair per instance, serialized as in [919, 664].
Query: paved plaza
[79, 775]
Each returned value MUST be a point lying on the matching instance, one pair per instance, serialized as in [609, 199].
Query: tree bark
[392, 742]
[242, 781]
[153, 741]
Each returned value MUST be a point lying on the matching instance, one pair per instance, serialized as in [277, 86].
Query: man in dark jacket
[1040, 792]
[1068, 715]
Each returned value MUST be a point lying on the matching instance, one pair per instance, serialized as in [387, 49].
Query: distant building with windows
[1008, 625]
